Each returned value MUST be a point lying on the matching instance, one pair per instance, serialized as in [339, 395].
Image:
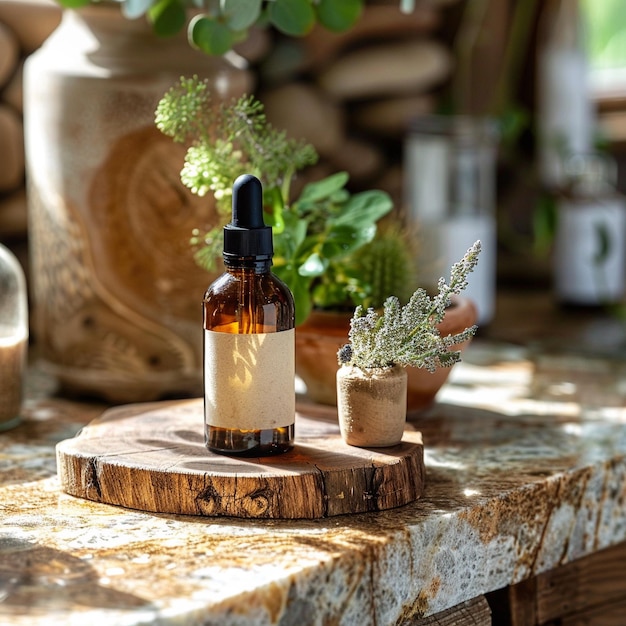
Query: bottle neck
[256, 266]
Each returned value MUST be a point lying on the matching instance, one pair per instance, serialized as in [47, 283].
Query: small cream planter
[371, 405]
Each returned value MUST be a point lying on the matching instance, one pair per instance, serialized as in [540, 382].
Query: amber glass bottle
[249, 339]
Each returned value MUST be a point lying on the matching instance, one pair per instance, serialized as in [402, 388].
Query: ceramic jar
[450, 167]
[565, 109]
[13, 337]
[371, 405]
[115, 289]
[590, 240]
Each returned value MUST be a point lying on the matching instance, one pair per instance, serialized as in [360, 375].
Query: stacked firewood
[24, 25]
[353, 95]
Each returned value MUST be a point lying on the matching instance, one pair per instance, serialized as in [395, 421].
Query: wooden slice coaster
[152, 457]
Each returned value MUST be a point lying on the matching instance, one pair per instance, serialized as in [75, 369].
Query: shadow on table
[36, 579]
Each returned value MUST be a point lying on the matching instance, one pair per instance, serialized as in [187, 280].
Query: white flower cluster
[408, 335]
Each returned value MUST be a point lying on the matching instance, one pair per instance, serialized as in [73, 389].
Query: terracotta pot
[371, 405]
[116, 292]
[323, 333]
[317, 341]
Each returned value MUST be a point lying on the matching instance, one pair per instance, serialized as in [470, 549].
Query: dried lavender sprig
[409, 335]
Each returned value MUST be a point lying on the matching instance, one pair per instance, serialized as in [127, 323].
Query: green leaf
[315, 265]
[273, 200]
[545, 218]
[301, 291]
[297, 227]
[344, 239]
[73, 4]
[210, 36]
[292, 17]
[289, 241]
[512, 123]
[325, 188]
[240, 14]
[328, 295]
[338, 15]
[365, 208]
[300, 287]
[133, 9]
[168, 17]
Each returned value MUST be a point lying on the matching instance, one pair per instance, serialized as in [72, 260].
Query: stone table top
[526, 470]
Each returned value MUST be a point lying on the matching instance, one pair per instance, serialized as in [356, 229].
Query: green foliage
[210, 36]
[167, 17]
[604, 22]
[408, 335]
[315, 235]
[218, 26]
[338, 15]
[292, 17]
[74, 4]
[228, 139]
[544, 223]
[386, 266]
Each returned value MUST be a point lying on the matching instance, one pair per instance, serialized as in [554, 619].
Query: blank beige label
[249, 380]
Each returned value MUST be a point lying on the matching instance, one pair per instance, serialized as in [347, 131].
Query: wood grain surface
[588, 590]
[152, 457]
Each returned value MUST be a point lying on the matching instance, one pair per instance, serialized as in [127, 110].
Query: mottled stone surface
[526, 470]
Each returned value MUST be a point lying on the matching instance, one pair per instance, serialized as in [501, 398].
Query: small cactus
[387, 266]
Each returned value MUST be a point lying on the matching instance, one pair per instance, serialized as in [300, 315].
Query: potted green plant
[329, 245]
[316, 234]
[384, 266]
[372, 381]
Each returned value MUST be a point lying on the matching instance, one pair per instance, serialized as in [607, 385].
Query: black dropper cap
[247, 236]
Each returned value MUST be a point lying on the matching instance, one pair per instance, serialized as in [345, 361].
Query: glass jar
[590, 241]
[450, 189]
[565, 109]
[13, 337]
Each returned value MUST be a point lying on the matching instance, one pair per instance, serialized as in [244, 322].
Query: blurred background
[481, 119]
[475, 57]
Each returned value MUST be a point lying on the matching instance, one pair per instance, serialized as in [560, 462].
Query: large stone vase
[116, 294]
